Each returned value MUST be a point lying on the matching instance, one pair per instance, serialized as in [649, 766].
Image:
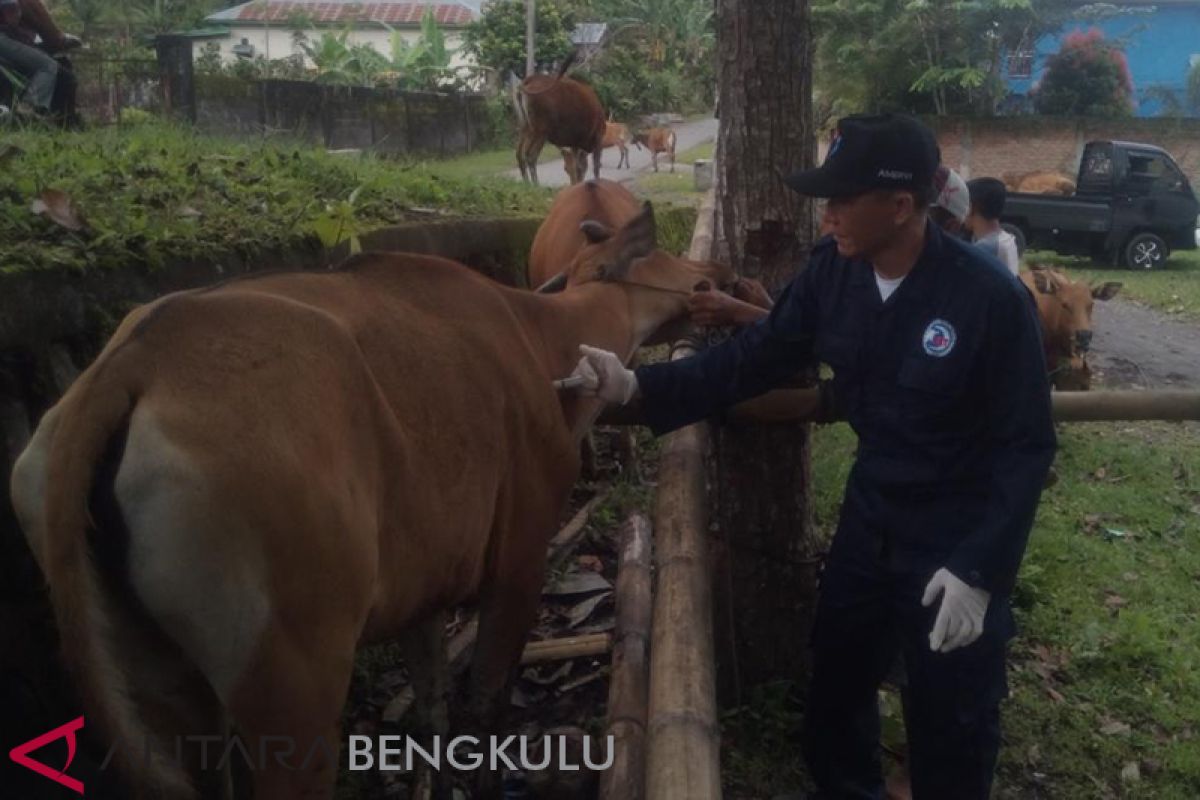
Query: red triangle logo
[20, 754]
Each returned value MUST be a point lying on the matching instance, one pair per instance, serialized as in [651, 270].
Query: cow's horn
[555, 284]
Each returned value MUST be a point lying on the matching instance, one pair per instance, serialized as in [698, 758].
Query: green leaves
[153, 193]
[497, 38]
[944, 56]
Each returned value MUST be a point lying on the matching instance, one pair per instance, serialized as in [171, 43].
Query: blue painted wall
[1159, 43]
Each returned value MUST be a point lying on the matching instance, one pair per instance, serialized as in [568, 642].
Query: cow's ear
[1106, 291]
[1044, 282]
[637, 239]
[596, 232]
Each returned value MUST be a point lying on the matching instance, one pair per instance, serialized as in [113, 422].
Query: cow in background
[657, 140]
[616, 135]
[563, 111]
[1065, 311]
[1039, 183]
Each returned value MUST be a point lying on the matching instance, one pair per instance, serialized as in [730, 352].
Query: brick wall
[1024, 144]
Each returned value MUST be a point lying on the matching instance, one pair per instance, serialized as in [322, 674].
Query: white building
[267, 28]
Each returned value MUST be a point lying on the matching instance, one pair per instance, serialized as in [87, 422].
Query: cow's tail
[519, 100]
[92, 426]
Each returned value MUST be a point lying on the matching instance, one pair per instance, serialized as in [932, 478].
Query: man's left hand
[960, 618]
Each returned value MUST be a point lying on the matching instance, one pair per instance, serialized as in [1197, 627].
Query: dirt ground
[1137, 347]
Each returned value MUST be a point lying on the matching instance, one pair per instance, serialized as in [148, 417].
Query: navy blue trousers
[869, 613]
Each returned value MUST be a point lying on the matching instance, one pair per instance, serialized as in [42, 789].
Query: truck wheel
[1146, 251]
[1017, 234]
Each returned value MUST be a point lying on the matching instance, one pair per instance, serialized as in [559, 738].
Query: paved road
[688, 135]
[1134, 346]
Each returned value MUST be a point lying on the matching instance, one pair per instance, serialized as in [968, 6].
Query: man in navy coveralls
[938, 367]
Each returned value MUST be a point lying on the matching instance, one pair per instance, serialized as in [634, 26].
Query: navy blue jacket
[945, 385]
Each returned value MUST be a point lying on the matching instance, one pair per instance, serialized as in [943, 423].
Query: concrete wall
[338, 117]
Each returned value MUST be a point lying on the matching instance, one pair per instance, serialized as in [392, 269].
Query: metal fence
[109, 85]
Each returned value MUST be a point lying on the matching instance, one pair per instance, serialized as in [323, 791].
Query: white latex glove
[604, 375]
[960, 617]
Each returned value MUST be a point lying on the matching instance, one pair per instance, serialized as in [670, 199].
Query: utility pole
[530, 26]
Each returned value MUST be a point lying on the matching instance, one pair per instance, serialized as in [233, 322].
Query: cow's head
[657, 282]
[1073, 302]
[639, 139]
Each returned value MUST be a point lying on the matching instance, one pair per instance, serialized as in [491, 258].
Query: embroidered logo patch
[835, 144]
[939, 338]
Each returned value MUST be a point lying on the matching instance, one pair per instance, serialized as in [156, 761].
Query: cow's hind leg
[595, 163]
[533, 152]
[288, 706]
[522, 143]
[424, 647]
[508, 604]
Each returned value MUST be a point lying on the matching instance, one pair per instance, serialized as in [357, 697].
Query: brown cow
[615, 135]
[563, 111]
[1065, 310]
[560, 239]
[657, 140]
[1039, 183]
[254, 479]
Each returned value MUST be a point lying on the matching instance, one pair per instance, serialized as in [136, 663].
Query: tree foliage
[938, 56]
[1088, 76]
[497, 38]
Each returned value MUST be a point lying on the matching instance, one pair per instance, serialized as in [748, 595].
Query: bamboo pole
[629, 685]
[683, 737]
[592, 644]
[782, 405]
[1126, 405]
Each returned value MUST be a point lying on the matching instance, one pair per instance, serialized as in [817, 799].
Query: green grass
[704, 150]
[665, 187]
[1109, 633]
[1174, 289]
[486, 163]
[152, 193]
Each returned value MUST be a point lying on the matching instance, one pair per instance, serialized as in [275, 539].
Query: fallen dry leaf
[1115, 727]
[1113, 601]
[579, 583]
[580, 612]
[57, 206]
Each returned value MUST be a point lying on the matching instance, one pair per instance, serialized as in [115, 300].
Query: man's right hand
[604, 376]
[753, 292]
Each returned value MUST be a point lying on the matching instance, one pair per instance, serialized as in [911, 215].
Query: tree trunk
[765, 580]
